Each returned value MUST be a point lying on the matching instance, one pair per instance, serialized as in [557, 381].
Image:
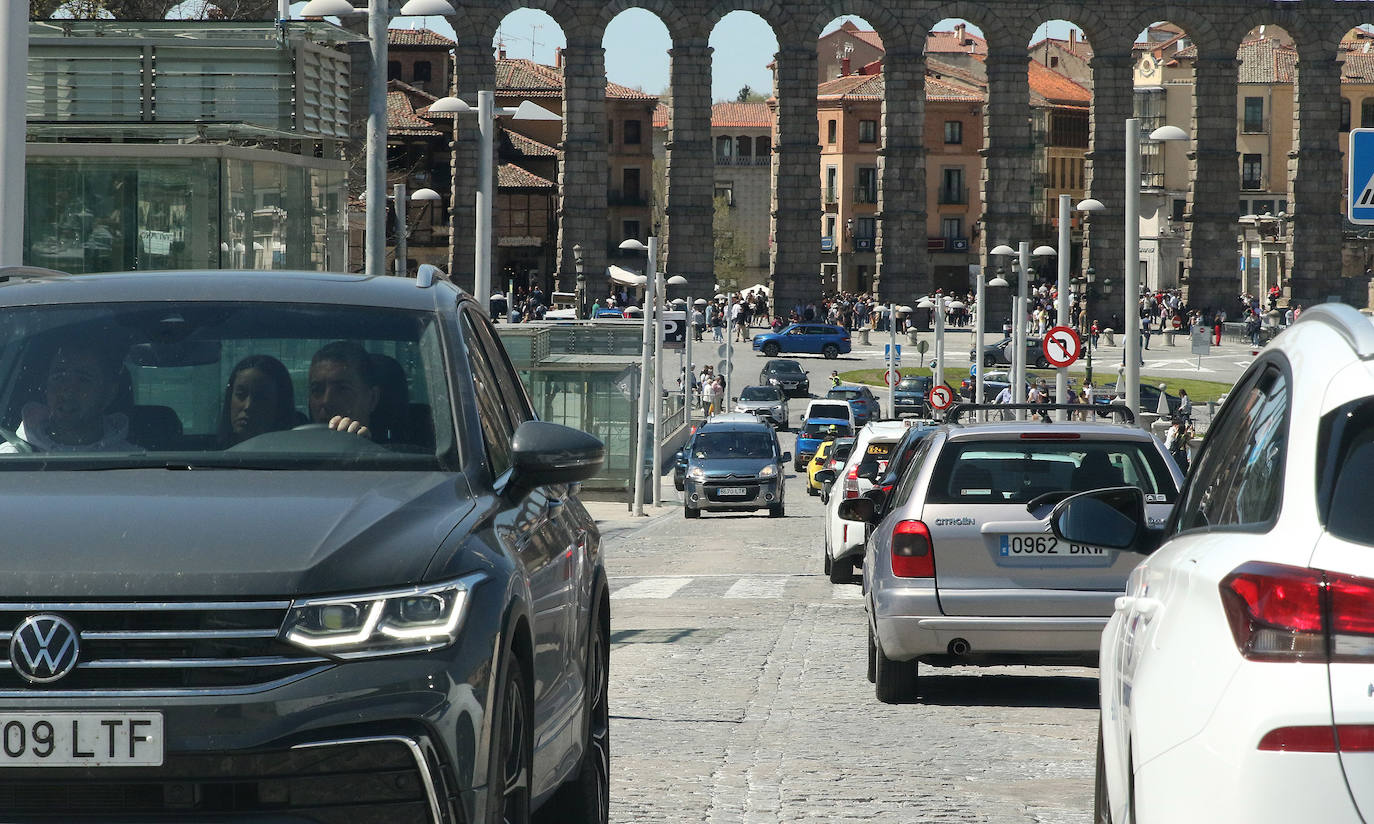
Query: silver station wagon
[962, 567]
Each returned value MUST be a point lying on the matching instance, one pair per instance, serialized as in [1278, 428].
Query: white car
[831, 408]
[1237, 671]
[844, 540]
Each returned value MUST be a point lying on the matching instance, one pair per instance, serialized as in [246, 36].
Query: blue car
[861, 400]
[806, 339]
[813, 432]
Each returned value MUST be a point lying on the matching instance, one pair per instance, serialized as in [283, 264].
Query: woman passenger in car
[258, 399]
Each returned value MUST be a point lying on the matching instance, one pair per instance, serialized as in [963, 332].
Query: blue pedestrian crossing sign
[1360, 202]
[888, 354]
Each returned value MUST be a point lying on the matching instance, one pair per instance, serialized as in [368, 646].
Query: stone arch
[1084, 17]
[1199, 29]
[877, 15]
[994, 26]
[672, 17]
[562, 13]
[771, 11]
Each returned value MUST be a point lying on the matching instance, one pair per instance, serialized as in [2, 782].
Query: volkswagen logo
[44, 648]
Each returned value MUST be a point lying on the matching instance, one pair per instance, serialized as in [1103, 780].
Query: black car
[999, 353]
[787, 375]
[909, 396]
[292, 547]
[1149, 397]
[733, 466]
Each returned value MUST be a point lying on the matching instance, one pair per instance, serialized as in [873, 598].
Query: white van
[829, 408]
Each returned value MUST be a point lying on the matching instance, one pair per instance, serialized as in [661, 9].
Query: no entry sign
[1062, 346]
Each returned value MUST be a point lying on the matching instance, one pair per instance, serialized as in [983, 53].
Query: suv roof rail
[1346, 321]
[1101, 409]
[7, 272]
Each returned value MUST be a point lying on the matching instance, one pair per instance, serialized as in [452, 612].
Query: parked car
[786, 375]
[843, 541]
[812, 432]
[910, 394]
[1256, 595]
[804, 338]
[767, 402]
[960, 569]
[1149, 397]
[1000, 353]
[734, 466]
[281, 543]
[861, 400]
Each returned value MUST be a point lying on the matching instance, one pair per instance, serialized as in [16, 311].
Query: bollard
[1110, 335]
[1169, 337]
[863, 336]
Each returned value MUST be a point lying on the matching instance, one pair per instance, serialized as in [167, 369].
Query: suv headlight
[415, 619]
[768, 471]
[696, 473]
[773, 382]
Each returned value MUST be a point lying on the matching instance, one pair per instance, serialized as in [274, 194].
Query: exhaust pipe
[958, 647]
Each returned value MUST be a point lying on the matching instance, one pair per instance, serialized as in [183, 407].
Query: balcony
[617, 197]
[744, 160]
[865, 194]
[831, 197]
[952, 196]
[1254, 126]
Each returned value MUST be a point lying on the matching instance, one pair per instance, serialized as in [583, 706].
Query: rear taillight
[851, 482]
[1285, 613]
[913, 556]
[1324, 738]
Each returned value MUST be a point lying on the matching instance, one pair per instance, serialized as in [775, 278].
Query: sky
[637, 45]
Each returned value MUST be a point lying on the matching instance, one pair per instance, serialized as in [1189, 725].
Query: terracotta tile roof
[870, 87]
[531, 79]
[1054, 88]
[1357, 67]
[868, 36]
[510, 176]
[528, 147]
[948, 42]
[1078, 48]
[741, 116]
[1263, 60]
[403, 104]
[418, 37]
[661, 116]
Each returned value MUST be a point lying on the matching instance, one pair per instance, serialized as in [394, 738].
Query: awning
[625, 276]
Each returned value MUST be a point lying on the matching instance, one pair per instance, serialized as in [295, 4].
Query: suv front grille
[166, 646]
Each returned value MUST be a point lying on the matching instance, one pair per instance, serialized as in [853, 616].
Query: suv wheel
[510, 765]
[989, 361]
[1042, 363]
[831, 351]
[894, 682]
[841, 571]
[771, 349]
[776, 511]
[688, 512]
[586, 798]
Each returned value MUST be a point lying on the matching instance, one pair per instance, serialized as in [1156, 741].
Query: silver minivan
[963, 569]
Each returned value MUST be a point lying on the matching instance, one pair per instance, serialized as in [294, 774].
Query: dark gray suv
[289, 547]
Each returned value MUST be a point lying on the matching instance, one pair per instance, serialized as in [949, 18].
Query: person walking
[1218, 321]
[717, 323]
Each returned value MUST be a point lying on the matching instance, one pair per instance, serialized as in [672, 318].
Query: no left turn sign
[941, 397]
[1062, 346]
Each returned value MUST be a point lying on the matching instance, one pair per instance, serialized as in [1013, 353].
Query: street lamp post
[487, 112]
[1131, 350]
[1061, 378]
[14, 40]
[650, 290]
[581, 287]
[399, 200]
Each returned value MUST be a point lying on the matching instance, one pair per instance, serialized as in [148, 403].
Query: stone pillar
[691, 169]
[1314, 176]
[1006, 167]
[474, 70]
[1113, 104]
[1213, 275]
[903, 261]
[796, 232]
[582, 177]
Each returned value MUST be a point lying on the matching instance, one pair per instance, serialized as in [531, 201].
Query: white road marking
[756, 588]
[652, 588]
[846, 592]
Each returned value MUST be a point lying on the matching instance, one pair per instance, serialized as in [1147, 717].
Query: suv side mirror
[545, 453]
[861, 510]
[1113, 518]
[825, 476]
[786, 456]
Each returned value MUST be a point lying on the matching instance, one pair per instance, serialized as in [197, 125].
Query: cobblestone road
[738, 695]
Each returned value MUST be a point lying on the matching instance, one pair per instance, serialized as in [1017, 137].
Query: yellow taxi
[834, 454]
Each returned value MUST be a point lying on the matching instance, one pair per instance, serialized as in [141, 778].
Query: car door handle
[1147, 606]
[1123, 602]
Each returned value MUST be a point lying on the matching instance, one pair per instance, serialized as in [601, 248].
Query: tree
[153, 9]
[747, 94]
[729, 253]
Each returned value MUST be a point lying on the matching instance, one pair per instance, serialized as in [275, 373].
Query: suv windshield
[220, 384]
[732, 445]
[914, 384]
[761, 393]
[819, 429]
[785, 366]
[1011, 472]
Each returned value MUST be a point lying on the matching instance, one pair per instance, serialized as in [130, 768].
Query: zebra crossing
[742, 587]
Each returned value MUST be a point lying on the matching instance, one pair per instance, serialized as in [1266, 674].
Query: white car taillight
[851, 482]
